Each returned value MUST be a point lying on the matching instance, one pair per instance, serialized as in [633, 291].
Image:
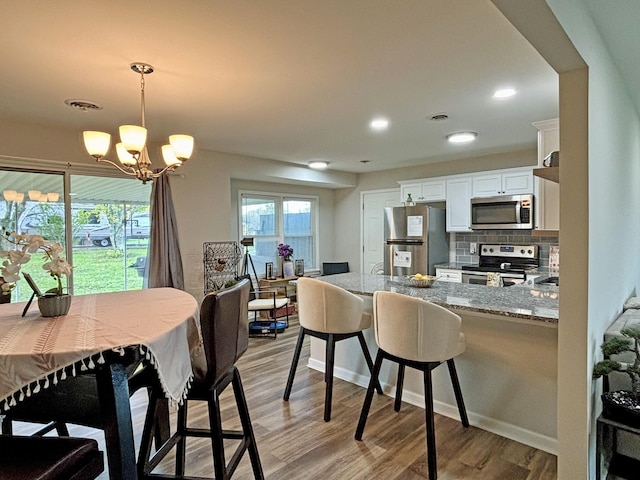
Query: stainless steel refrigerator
[415, 240]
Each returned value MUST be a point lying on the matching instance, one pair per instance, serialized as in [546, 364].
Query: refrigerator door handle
[405, 242]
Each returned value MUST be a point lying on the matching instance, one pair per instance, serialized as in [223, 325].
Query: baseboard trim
[507, 430]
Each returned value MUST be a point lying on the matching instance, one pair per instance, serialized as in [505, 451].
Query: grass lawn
[95, 269]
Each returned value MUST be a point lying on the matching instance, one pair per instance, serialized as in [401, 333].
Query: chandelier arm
[106, 160]
[169, 168]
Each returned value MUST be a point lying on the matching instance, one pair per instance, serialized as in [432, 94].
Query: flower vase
[287, 268]
[54, 305]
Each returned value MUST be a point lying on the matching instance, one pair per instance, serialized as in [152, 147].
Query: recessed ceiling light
[504, 93]
[318, 164]
[462, 137]
[379, 124]
[439, 117]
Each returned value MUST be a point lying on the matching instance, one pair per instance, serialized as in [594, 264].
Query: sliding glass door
[104, 228]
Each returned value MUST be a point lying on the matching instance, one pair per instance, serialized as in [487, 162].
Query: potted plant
[622, 405]
[285, 251]
[54, 301]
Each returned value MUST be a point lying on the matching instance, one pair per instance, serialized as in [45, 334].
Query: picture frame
[299, 268]
[32, 284]
[269, 271]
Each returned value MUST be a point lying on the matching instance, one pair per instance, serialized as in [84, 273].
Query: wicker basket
[425, 281]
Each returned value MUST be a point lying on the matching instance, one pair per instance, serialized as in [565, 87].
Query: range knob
[491, 250]
[522, 251]
[484, 250]
[529, 252]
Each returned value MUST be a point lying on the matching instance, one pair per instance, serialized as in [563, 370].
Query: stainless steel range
[511, 261]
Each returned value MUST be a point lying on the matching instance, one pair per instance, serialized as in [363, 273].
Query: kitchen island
[508, 372]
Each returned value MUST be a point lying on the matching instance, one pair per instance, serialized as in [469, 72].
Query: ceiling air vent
[439, 117]
[83, 105]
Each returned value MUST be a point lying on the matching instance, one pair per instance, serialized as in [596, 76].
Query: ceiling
[289, 80]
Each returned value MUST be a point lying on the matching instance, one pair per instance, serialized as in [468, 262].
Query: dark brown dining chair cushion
[225, 328]
[49, 458]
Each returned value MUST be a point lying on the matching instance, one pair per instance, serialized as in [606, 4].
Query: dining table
[102, 334]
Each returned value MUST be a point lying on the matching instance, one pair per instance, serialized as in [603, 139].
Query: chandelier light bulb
[170, 157]
[9, 195]
[43, 198]
[182, 146]
[133, 138]
[19, 197]
[34, 195]
[124, 156]
[96, 143]
[53, 196]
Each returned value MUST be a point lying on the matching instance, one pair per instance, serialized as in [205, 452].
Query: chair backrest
[323, 307]
[331, 268]
[225, 329]
[415, 329]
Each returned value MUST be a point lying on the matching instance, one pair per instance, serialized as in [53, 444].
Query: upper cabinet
[506, 182]
[428, 190]
[459, 204]
[547, 190]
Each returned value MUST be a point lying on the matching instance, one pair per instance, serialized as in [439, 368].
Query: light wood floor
[295, 443]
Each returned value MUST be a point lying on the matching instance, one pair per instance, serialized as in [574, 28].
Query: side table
[621, 466]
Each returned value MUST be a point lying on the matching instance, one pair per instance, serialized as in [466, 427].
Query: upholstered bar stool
[418, 334]
[223, 319]
[331, 314]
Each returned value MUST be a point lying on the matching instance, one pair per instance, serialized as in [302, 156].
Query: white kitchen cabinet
[413, 189]
[427, 190]
[547, 192]
[447, 275]
[459, 204]
[503, 182]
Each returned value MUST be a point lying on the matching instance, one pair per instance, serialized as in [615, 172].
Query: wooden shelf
[545, 233]
[548, 173]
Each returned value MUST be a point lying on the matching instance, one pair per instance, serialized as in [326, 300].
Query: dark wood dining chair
[49, 458]
[223, 319]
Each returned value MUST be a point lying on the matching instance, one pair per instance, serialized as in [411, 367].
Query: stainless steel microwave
[505, 212]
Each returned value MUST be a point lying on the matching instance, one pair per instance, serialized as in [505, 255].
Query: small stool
[49, 458]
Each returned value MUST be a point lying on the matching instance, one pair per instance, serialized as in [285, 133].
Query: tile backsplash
[510, 237]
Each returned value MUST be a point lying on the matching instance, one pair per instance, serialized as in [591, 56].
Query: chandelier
[132, 149]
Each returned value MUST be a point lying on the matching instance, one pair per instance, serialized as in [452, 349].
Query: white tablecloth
[36, 352]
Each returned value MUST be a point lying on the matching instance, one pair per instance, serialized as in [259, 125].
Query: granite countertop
[529, 302]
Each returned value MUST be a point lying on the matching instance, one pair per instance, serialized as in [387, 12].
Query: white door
[373, 204]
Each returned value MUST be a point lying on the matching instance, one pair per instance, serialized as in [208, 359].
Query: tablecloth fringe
[44, 382]
[85, 364]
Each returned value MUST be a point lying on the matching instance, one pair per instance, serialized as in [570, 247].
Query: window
[271, 220]
[108, 221]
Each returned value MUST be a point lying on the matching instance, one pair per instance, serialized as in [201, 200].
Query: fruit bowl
[422, 281]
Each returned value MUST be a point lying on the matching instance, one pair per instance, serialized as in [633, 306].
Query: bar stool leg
[430, 426]
[294, 364]
[369, 396]
[328, 375]
[247, 429]
[367, 357]
[456, 389]
[217, 439]
[399, 387]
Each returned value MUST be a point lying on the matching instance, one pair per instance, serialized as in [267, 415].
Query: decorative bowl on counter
[422, 280]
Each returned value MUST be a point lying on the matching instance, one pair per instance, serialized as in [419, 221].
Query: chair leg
[369, 396]
[217, 439]
[328, 376]
[430, 426]
[399, 387]
[243, 411]
[181, 446]
[367, 357]
[144, 454]
[458, 392]
[294, 364]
